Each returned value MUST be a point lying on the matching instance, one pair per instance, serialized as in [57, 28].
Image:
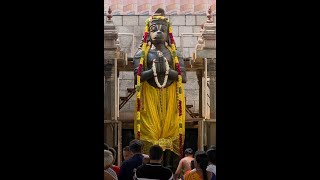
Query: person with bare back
[184, 164]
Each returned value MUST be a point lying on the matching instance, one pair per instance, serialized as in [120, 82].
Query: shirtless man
[185, 162]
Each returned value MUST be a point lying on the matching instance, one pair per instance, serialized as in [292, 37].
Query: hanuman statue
[159, 76]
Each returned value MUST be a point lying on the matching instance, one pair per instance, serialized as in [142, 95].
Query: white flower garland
[156, 76]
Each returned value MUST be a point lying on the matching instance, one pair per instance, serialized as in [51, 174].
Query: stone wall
[180, 24]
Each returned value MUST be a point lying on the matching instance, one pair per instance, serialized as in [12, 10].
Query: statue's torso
[154, 55]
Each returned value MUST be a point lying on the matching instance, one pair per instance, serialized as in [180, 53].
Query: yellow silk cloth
[159, 117]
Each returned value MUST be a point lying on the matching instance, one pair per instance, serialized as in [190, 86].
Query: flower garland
[143, 59]
[155, 72]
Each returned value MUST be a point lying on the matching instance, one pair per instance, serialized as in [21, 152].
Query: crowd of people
[200, 165]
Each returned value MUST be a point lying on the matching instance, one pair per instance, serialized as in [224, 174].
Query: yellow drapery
[159, 117]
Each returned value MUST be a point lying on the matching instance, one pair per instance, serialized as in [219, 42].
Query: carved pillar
[111, 81]
[212, 86]
[209, 51]
[209, 36]
[206, 50]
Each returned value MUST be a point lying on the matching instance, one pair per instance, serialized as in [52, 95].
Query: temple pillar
[111, 82]
[206, 51]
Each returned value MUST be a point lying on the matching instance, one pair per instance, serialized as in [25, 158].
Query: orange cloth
[192, 175]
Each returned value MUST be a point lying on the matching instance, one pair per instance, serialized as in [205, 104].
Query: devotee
[127, 154]
[184, 164]
[114, 167]
[200, 172]
[153, 170]
[212, 162]
[128, 166]
[109, 174]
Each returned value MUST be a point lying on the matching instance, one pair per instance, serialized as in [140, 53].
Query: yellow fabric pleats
[159, 118]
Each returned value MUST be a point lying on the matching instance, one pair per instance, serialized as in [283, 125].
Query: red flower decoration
[145, 35]
[138, 134]
[171, 38]
[138, 104]
[139, 69]
[178, 68]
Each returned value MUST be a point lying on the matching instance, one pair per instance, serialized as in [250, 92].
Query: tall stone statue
[159, 76]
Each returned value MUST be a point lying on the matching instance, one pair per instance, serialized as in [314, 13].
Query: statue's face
[158, 31]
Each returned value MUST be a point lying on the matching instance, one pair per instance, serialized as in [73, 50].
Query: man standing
[128, 166]
[127, 154]
[154, 169]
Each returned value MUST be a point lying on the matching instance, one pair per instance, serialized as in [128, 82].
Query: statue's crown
[159, 16]
[159, 12]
